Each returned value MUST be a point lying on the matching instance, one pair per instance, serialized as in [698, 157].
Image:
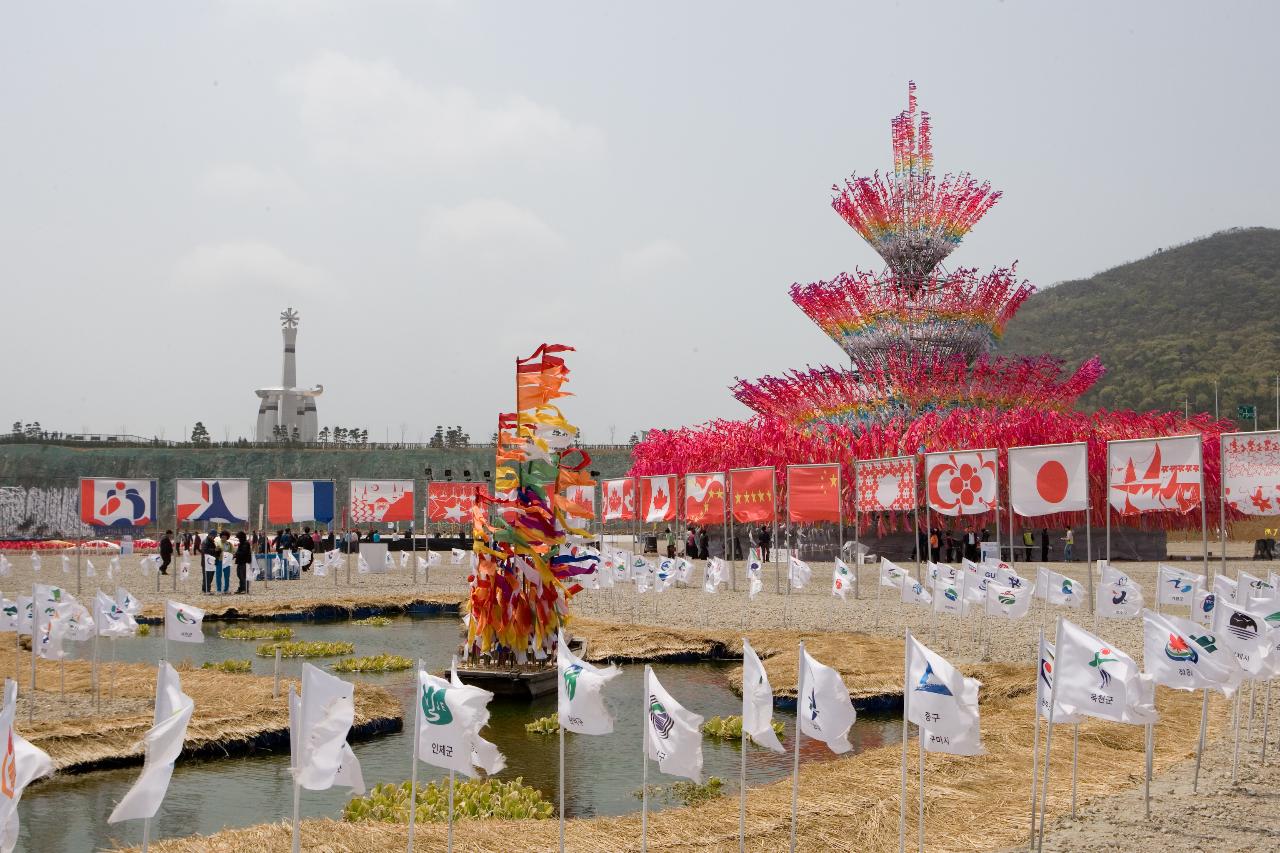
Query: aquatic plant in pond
[372, 622]
[512, 800]
[730, 728]
[231, 665]
[374, 663]
[256, 633]
[303, 649]
[684, 793]
[547, 725]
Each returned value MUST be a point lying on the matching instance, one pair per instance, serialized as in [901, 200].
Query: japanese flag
[1049, 479]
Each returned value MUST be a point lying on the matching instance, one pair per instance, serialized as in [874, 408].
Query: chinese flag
[813, 492]
[752, 494]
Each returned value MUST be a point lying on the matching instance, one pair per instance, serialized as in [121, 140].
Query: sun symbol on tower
[289, 318]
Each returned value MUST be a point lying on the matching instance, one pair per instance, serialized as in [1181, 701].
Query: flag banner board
[1154, 474]
[452, 502]
[291, 501]
[658, 498]
[885, 484]
[704, 498]
[961, 482]
[1251, 472]
[381, 501]
[619, 500]
[220, 501]
[107, 502]
[1049, 478]
[752, 491]
[813, 492]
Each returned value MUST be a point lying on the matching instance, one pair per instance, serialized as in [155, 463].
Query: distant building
[288, 406]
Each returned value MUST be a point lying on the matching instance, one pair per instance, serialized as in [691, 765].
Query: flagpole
[450, 843]
[857, 547]
[906, 704]
[1048, 735]
[35, 643]
[1204, 724]
[297, 799]
[920, 788]
[742, 770]
[413, 772]
[1222, 520]
[1012, 564]
[795, 758]
[1035, 747]
[146, 833]
[560, 726]
[1075, 765]
[1235, 724]
[1266, 722]
[644, 761]
[1146, 782]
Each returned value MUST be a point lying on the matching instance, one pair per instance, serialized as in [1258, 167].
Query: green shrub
[730, 728]
[373, 622]
[684, 793]
[232, 665]
[304, 649]
[144, 630]
[491, 798]
[374, 663]
[257, 632]
[547, 725]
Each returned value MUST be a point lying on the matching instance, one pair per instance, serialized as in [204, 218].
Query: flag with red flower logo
[886, 484]
[658, 498]
[704, 498]
[813, 492]
[752, 491]
[961, 482]
[619, 500]
[1251, 472]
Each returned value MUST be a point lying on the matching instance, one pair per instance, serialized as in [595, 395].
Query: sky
[439, 187]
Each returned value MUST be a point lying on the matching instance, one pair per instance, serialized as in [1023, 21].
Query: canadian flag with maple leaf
[752, 491]
[1251, 472]
[704, 498]
[813, 492]
[452, 502]
[658, 497]
[619, 499]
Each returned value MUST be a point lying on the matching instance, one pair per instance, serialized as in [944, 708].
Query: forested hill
[1168, 325]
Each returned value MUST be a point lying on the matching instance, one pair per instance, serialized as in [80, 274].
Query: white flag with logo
[1225, 588]
[580, 693]
[1245, 633]
[9, 617]
[684, 570]
[127, 602]
[935, 691]
[674, 734]
[757, 701]
[824, 709]
[319, 721]
[21, 764]
[452, 718]
[1255, 585]
[798, 573]
[714, 575]
[163, 746]
[1008, 602]
[458, 555]
[1202, 609]
[484, 753]
[1058, 589]
[1098, 680]
[1044, 686]
[1180, 654]
[841, 579]
[1118, 601]
[110, 619]
[755, 577]
[891, 574]
[967, 742]
[1048, 479]
[1176, 586]
[914, 592]
[183, 623]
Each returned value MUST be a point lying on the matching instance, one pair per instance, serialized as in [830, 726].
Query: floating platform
[519, 684]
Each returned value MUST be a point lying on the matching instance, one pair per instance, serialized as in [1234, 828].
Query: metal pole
[297, 797]
[450, 843]
[561, 728]
[1235, 724]
[920, 787]
[795, 757]
[906, 710]
[644, 761]
[742, 778]
[1013, 565]
[1204, 725]
[1048, 736]
[857, 544]
[413, 771]
[1222, 518]
[1075, 765]
[1146, 783]
[1204, 520]
[275, 690]
[1266, 722]
[1035, 755]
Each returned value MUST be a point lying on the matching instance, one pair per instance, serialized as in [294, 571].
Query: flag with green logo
[580, 689]
[449, 723]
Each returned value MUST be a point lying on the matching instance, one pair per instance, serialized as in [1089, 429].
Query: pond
[602, 773]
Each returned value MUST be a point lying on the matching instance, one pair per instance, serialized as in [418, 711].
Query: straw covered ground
[846, 804]
[233, 713]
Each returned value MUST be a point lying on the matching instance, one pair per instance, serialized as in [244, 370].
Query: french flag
[289, 501]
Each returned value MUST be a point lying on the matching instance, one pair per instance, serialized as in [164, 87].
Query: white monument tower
[288, 406]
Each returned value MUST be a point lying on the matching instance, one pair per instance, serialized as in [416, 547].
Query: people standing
[208, 562]
[1028, 543]
[1044, 544]
[166, 552]
[691, 543]
[1069, 540]
[226, 554]
[766, 541]
[308, 544]
[243, 555]
[704, 543]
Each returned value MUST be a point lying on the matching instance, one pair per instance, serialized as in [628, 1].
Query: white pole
[450, 844]
[1075, 765]
[906, 704]
[1235, 724]
[795, 758]
[1146, 782]
[146, 834]
[920, 788]
[275, 690]
[560, 726]
[297, 800]
[35, 644]
[1048, 735]
[1266, 721]
[644, 761]
[1035, 751]
[742, 774]
[417, 732]
[1204, 724]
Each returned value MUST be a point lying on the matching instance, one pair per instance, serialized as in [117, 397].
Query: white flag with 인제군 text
[452, 718]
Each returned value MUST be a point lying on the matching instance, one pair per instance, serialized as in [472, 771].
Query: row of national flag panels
[1143, 475]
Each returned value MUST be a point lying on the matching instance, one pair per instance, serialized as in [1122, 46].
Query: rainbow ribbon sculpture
[525, 557]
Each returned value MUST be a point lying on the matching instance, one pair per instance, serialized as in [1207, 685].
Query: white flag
[127, 602]
[110, 619]
[967, 742]
[9, 617]
[362, 565]
[404, 559]
[1245, 633]
[936, 691]
[25, 615]
[1098, 680]
[1112, 575]
[433, 558]
[1180, 654]
[714, 575]
[684, 570]
[674, 734]
[1008, 602]
[484, 754]
[163, 746]
[1255, 585]
[319, 721]
[35, 562]
[891, 574]
[798, 573]
[21, 763]
[452, 718]
[1202, 609]
[66, 564]
[458, 556]
[913, 592]
[841, 579]
[182, 622]
[89, 570]
[757, 701]
[581, 686]
[755, 577]
[1118, 601]
[1225, 589]
[949, 594]
[1058, 589]
[1044, 687]
[1176, 586]
[824, 709]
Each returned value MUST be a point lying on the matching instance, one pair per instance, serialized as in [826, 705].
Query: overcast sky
[438, 188]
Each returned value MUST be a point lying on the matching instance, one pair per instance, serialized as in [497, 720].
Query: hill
[1170, 324]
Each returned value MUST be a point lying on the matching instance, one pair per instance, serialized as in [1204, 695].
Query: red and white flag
[619, 500]
[452, 502]
[813, 492]
[381, 500]
[753, 494]
[1154, 474]
[658, 497]
[582, 501]
[886, 484]
[1049, 478]
[704, 498]
[118, 503]
[961, 482]
[1251, 472]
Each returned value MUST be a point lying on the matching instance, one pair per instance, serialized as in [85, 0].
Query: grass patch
[372, 622]
[144, 630]
[231, 665]
[547, 725]
[730, 728]
[491, 798]
[304, 649]
[256, 633]
[684, 793]
[374, 663]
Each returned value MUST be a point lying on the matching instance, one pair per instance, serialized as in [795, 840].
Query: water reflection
[69, 813]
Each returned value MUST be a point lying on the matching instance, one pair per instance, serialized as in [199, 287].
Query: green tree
[437, 437]
[199, 434]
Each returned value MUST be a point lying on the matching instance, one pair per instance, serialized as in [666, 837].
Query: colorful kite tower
[920, 338]
[525, 556]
